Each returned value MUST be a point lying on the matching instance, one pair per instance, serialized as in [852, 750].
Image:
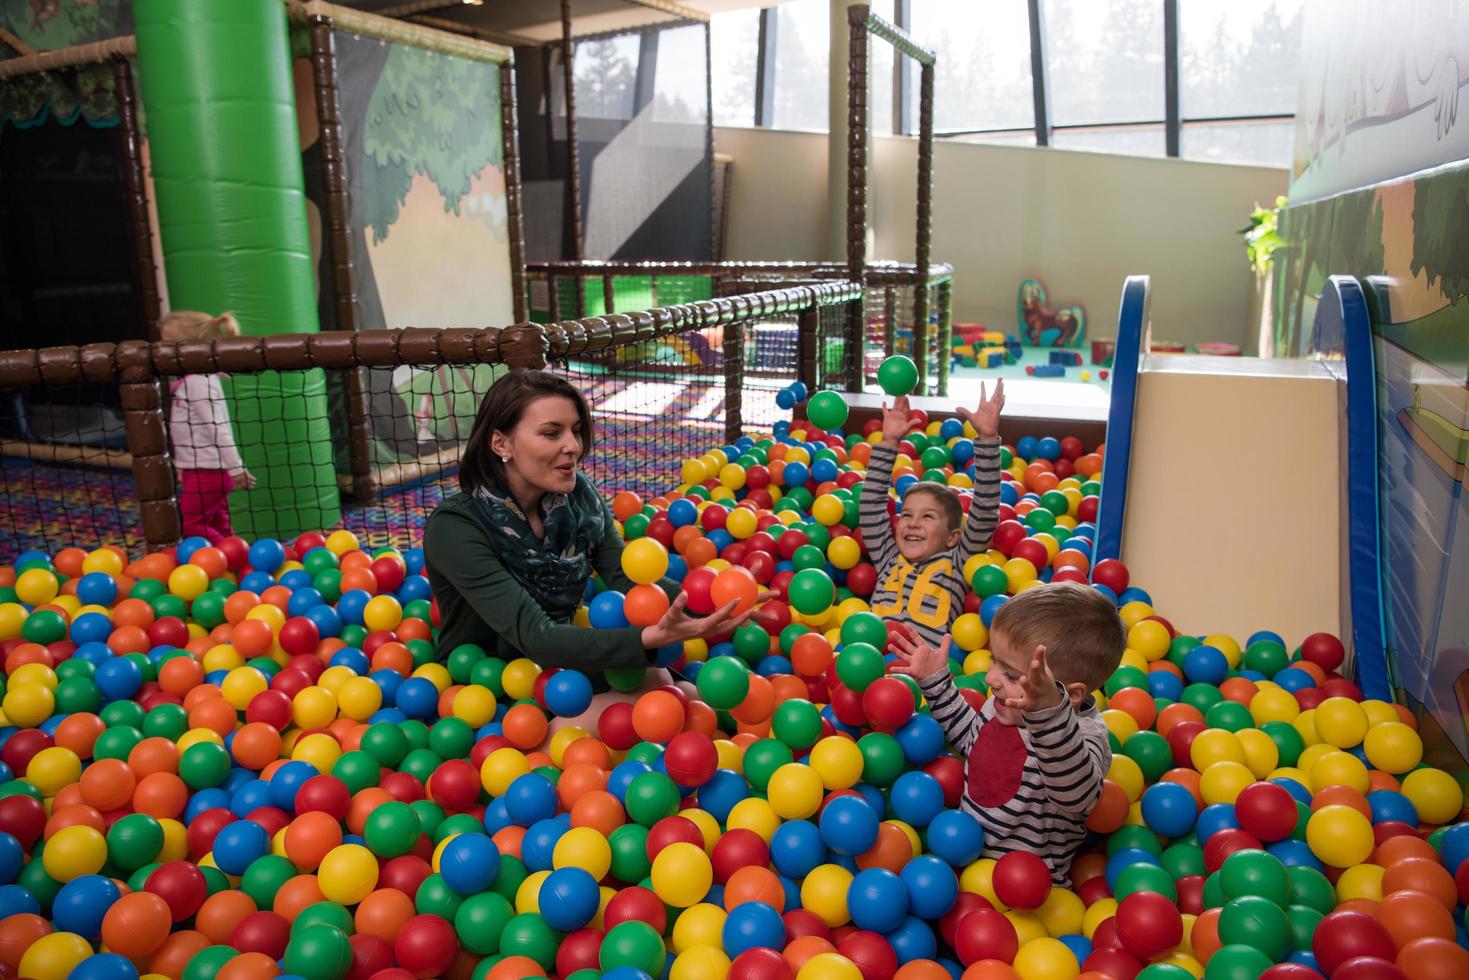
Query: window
[606, 73]
[982, 79]
[1141, 141]
[1105, 60]
[880, 80]
[678, 85]
[734, 40]
[802, 54]
[1268, 144]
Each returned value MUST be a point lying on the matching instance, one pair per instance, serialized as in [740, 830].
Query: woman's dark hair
[503, 406]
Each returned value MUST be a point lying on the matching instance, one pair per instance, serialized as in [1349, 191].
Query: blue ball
[1162, 684]
[624, 773]
[914, 940]
[417, 698]
[1388, 804]
[963, 451]
[799, 389]
[823, 470]
[351, 605]
[1295, 852]
[353, 659]
[921, 738]
[248, 797]
[989, 607]
[606, 611]
[82, 902]
[182, 554]
[238, 844]
[953, 429]
[683, 512]
[751, 925]
[1169, 809]
[12, 857]
[266, 555]
[103, 966]
[568, 693]
[569, 898]
[1259, 635]
[932, 886]
[796, 848]
[1205, 665]
[91, 627]
[796, 475]
[1080, 946]
[1025, 447]
[530, 798]
[877, 900]
[1219, 816]
[286, 783]
[469, 863]
[15, 900]
[302, 599]
[1293, 679]
[1134, 594]
[538, 848]
[118, 678]
[1454, 846]
[98, 588]
[1126, 858]
[785, 398]
[1294, 788]
[849, 825]
[916, 798]
[1048, 448]
[213, 798]
[957, 837]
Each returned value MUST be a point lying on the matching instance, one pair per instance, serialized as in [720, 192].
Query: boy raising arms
[920, 569]
[1036, 752]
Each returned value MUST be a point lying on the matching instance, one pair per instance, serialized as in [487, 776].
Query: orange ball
[598, 810]
[221, 912]
[626, 504]
[1401, 848]
[1205, 935]
[657, 716]
[1345, 795]
[759, 702]
[1138, 703]
[212, 560]
[129, 639]
[19, 933]
[701, 551]
[811, 654]
[215, 714]
[1086, 866]
[77, 815]
[525, 726]
[753, 884]
[249, 966]
[161, 795]
[685, 535]
[310, 837]
[276, 595]
[578, 779]
[1239, 690]
[133, 612]
[735, 584]
[892, 850]
[702, 718]
[136, 925]
[508, 839]
[176, 952]
[238, 604]
[1421, 875]
[68, 561]
[79, 733]
[921, 970]
[363, 803]
[1410, 915]
[799, 950]
[180, 675]
[256, 745]
[1174, 714]
[1110, 813]
[156, 754]
[588, 751]
[990, 970]
[252, 638]
[515, 968]
[107, 784]
[1433, 958]
[295, 895]
[383, 912]
[645, 605]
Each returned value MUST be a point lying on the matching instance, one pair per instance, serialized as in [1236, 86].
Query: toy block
[1069, 358]
[994, 337]
[1050, 371]
[991, 358]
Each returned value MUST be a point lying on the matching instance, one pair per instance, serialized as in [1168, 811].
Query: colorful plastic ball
[811, 591]
[932, 886]
[1340, 835]
[136, 925]
[568, 693]
[239, 844]
[1169, 809]
[848, 825]
[897, 375]
[682, 874]
[752, 925]
[1021, 880]
[877, 900]
[632, 944]
[81, 904]
[1435, 794]
[957, 837]
[74, 851]
[569, 899]
[469, 863]
[425, 945]
[1345, 935]
[827, 409]
[1393, 747]
[54, 956]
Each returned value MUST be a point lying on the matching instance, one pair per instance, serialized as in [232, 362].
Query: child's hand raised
[895, 421]
[916, 658]
[1038, 690]
[986, 418]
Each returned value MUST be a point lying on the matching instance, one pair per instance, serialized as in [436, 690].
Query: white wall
[1079, 221]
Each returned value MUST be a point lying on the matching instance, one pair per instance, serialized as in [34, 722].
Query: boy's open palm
[916, 658]
[986, 418]
[895, 421]
[1038, 691]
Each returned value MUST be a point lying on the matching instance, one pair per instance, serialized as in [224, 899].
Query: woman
[509, 558]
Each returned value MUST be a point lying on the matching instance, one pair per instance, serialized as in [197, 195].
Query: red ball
[739, 848]
[425, 946]
[673, 830]
[1324, 650]
[578, 951]
[1181, 739]
[1022, 880]
[299, 635]
[1226, 842]
[803, 922]
[1291, 971]
[1088, 508]
[1093, 890]
[615, 727]
[23, 746]
[985, 934]
[168, 631]
[1111, 962]
[699, 583]
[966, 902]
[181, 885]
[1072, 448]
[872, 954]
[1343, 936]
[713, 518]
[370, 955]
[403, 786]
[454, 785]
[1111, 573]
[1266, 810]
[691, 758]
[888, 704]
[846, 703]
[1310, 697]
[1105, 935]
[760, 963]
[1340, 687]
[22, 817]
[236, 552]
[205, 827]
[1368, 968]
[263, 932]
[271, 707]
[1190, 894]
[405, 873]
[290, 682]
[328, 794]
[949, 772]
[1148, 924]
[636, 905]
[1032, 551]
[1008, 534]
[862, 579]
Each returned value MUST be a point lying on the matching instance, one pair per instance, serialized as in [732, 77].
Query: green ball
[215, 880]
[416, 732]
[459, 823]
[139, 879]
[204, 764]
[635, 944]
[1184, 860]
[1134, 836]
[168, 721]
[635, 527]
[430, 815]
[897, 375]
[1230, 716]
[489, 673]
[1040, 519]
[116, 742]
[480, 921]
[323, 913]
[512, 874]
[651, 797]
[989, 580]
[752, 643]
[318, 952]
[1152, 754]
[723, 682]
[865, 627]
[1255, 922]
[858, 665]
[34, 879]
[645, 752]
[1143, 877]
[625, 678]
[147, 589]
[1055, 501]
[134, 840]
[328, 582]
[935, 458]
[435, 897]
[264, 877]
[451, 738]
[788, 637]
[1311, 888]
[1256, 873]
[1236, 962]
[530, 935]
[811, 591]
[1123, 678]
[763, 758]
[1266, 656]
[1214, 897]
[797, 723]
[462, 661]
[1201, 696]
[827, 410]
[1287, 739]
[44, 626]
[1303, 922]
[358, 770]
[170, 605]
[391, 830]
[882, 758]
[1164, 971]
[1180, 648]
[386, 743]
[420, 764]
[75, 667]
[629, 844]
[808, 556]
[354, 635]
[206, 963]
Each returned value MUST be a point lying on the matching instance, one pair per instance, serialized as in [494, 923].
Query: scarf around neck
[555, 567]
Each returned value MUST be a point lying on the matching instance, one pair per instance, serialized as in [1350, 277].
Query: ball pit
[250, 759]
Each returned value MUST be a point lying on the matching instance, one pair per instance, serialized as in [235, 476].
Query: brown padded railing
[139, 367]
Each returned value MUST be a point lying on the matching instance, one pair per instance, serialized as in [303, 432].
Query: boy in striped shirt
[1036, 751]
[920, 565]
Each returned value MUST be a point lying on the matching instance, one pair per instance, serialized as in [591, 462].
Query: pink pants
[204, 503]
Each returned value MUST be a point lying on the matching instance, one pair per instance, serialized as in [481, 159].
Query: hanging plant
[1262, 236]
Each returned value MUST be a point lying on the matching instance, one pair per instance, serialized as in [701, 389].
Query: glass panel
[678, 84]
[1105, 60]
[982, 79]
[802, 53]
[1265, 144]
[1024, 138]
[734, 45]
[1145, 141]
[880, 75]
[606, 75]
[1239, 57]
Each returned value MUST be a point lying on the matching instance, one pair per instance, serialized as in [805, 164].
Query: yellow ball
[437, 675]
[12, 618]
[1226, 645]
[682, 874]
[348, 874]
[974, 563]
[699, 925]
[1379, 712]
[27, 705]
[1085, 376]
[829, 966]
[754, 815]
[53, 769]
[74, 851]
[1027, 926]
[1128, 774]
[35, 673]
[708, 826]
[519, 678]
[1339, 769]
[1341, 722]
[36, 587]
[1339, 835]
[1393, 747]
[1134, 612]
[54, 956]
[1215, 745]
[319, 749]
[837, 762]
[242, 684]
[1019, 573]
[692, 471]
[382, 612]
[741, 523]
[1223, 781]
[501, 768]
[583, 847]
[1062, 912]
[360, 699]
[732, 476]
[1150, 638]
[188, 582]
[1274, 704]
[341, 542]
[268, 614]
[1437, 795]
[1121, 724]
[1360, 881]
[700, 963]
[824, 893]
[1184, 961]
[970, 633]
[1096, 913]
[1313, 754]
[102, 560]
[1262, 755]
[313, 707]
[844, 553]
[1046, 959]
[194, 736]
[979, 879]
[795, 791]
[828, 509]
[474, 704]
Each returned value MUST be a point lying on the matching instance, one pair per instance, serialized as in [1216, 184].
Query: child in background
[920, 568]
[204, 450]
[1036, 751]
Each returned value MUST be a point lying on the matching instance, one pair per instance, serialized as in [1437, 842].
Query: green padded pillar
[221, 124]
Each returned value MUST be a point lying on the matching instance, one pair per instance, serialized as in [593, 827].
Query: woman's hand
[986, 418]
[677, 625]
[895, 421]
[916, 658]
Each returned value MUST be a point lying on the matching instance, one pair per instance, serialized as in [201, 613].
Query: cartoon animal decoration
[1065, 326]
